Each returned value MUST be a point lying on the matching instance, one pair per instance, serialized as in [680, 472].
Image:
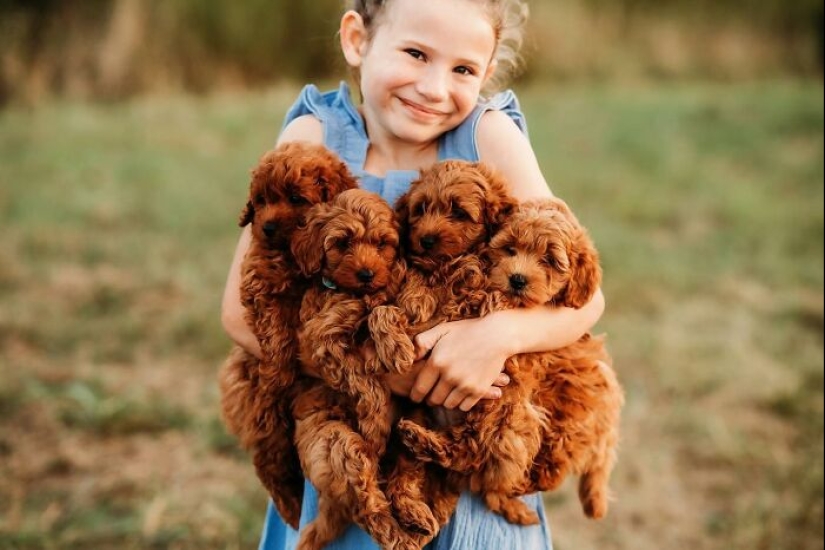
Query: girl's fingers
[426, 341]
[455, 399]
[493, 393]
[468, 404]
[502, 380]
[440, 393]
[427, 379]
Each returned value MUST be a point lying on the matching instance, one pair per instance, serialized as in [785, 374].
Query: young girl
[421, 66]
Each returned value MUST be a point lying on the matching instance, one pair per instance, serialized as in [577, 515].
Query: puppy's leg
[373, 408]
[393, 347]
[511, 508]
[279, 469]
[237, 386]
[341, 466]
[328, 526]
[445, 448]
[405, 489]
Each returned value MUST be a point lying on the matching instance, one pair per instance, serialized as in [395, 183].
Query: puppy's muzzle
[365, 276]
[518, 282]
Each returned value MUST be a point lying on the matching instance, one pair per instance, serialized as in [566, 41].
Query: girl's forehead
[453, 24]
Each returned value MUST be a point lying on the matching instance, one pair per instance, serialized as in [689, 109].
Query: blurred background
[687, 135]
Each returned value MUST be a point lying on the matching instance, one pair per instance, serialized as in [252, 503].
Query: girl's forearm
[544, 328]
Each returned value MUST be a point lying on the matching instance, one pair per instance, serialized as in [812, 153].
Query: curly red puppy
[543, 255]
[448, 216]
[286, 182]
[350, 250]
[560, 412]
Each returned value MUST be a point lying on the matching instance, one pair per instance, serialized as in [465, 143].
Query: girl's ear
[491, 70]
[354, 39]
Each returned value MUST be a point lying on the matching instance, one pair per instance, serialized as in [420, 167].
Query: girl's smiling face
[423, 68]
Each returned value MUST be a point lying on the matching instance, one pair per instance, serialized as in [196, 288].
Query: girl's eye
[416, 54]
[464, 70]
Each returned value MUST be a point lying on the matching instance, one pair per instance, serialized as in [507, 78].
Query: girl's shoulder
[332, 107]
[463, 141]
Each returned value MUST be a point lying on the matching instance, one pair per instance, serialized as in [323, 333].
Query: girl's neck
[386, 154]
[383, 157]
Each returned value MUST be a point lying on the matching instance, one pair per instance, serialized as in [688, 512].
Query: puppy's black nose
[518, 281]
[365, 275]
[428, 241]
[270, 229]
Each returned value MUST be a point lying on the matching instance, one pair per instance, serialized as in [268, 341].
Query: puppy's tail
[594, 493]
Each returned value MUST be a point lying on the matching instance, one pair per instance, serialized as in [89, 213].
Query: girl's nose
[433, 85]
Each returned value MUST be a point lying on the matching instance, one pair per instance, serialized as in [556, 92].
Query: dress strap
[344, 130]
[461, 143]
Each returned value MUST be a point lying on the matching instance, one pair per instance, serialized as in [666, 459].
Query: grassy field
[117, 225]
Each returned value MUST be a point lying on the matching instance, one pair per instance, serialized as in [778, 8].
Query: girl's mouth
[421, 110]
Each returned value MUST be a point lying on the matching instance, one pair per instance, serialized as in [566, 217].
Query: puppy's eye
[297, 200]
[342, 243]
[510, 250]
[382, 244]
[459, 214]
[550, 261]
[419, 209]
[259, 199]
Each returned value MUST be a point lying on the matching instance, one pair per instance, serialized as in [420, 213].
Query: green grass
[119, 222]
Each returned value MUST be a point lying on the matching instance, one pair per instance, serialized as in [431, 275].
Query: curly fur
[545, 256]
[450, 215]
[255, 393]
[560, 412]
[349, 248]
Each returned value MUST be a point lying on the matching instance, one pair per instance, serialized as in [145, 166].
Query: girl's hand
[402, 384]
[465, 358]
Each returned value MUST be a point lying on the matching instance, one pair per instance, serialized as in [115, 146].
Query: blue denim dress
[472, 527]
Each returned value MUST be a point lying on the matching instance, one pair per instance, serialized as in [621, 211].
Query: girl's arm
[233, 315]
[464, 357]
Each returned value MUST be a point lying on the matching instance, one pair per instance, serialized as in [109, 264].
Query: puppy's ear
[308, 241]
[341, 180]
[585, 271]
[247, 215]
[500, 205]
[257, 183]
[402, 216]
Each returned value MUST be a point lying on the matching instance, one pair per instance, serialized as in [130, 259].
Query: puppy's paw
[393, 346]
[415, 516]
[424, 444]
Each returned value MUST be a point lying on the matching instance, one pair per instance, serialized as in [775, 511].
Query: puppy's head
[543, 255]
[451, 210]
[352, 242]
[286, 182]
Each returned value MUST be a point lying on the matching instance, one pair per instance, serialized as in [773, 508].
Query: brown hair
[508, 18]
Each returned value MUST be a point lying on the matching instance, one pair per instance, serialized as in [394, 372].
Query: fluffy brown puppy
[543, 255]
[286, 182]
[448, 216]
[349, 248]
[561, 409]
